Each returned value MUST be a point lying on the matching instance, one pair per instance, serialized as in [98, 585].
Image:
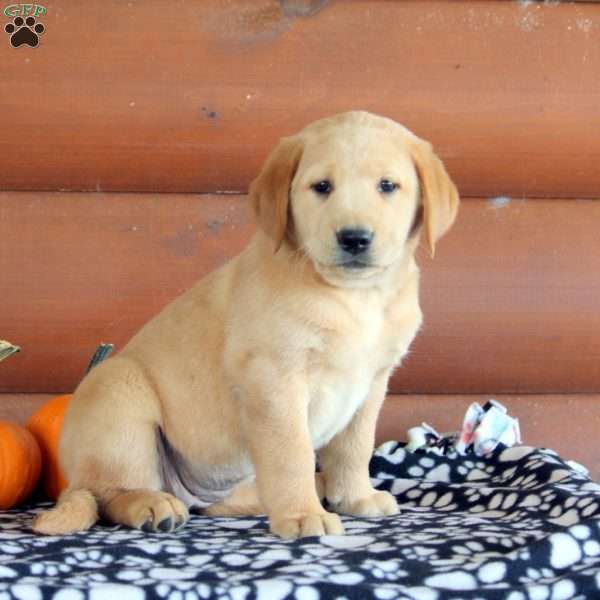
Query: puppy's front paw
[321, 523]
[377, 504]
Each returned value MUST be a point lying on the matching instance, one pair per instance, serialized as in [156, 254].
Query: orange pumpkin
[46, 424]
[20, 464]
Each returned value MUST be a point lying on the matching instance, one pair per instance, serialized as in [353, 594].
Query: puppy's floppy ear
[438, 193]
[270, 191]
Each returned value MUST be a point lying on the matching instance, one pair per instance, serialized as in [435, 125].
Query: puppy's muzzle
[354, 241]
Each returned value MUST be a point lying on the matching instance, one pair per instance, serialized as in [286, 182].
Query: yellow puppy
[283, 352]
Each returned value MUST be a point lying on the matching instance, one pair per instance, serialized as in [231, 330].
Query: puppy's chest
[342, 367]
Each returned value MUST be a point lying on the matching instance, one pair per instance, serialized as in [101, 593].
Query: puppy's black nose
[354, 241]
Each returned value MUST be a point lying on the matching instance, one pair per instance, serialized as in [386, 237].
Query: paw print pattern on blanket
[518, 524]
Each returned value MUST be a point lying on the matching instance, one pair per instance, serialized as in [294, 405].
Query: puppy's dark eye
[385, 186]
[323, 188]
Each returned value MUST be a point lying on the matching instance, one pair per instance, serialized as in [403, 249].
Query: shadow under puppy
[283, 352]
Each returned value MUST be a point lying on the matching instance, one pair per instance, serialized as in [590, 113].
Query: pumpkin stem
[7, 349]
[102, 353]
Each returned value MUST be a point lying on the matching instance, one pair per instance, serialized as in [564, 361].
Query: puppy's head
[352, 192]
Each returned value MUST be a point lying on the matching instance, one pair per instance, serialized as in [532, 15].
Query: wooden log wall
[511, 300]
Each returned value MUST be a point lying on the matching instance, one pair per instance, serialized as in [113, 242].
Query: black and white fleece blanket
[519, 524]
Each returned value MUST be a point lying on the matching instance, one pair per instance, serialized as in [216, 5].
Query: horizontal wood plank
[565, 423]
[510, 301]
[190, 97]
[81, 269]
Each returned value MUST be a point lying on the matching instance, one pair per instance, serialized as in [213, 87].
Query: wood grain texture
[190, 97]
[565, 423]
[510, 301]
[81, 269]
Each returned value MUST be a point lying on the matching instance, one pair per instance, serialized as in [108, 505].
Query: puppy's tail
[76, 510]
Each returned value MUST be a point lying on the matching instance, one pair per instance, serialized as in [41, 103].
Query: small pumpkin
[20, 464]
[46, 424]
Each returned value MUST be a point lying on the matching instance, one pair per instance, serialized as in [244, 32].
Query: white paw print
[91, 559]
[174, 590]
[385, 569]
[475, 497]
[49, 569]
[12, 547]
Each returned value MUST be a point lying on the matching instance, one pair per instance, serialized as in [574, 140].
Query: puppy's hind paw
[148, 510]
[76, 511]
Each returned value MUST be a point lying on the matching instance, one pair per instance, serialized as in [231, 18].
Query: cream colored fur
[279, 354]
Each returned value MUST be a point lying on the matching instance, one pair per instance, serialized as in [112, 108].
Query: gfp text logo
[24, 29]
